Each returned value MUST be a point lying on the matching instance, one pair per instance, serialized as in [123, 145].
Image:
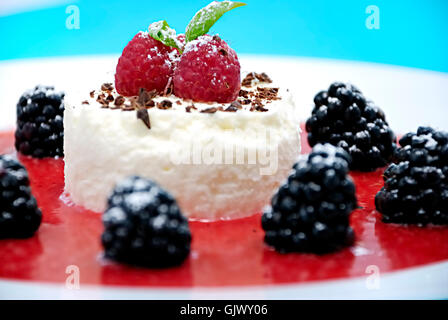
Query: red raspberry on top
[208, 71]
[144, 63]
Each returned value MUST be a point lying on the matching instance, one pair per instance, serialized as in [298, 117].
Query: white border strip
[428, 282]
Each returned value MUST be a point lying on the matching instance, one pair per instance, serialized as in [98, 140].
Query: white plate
[410, 97]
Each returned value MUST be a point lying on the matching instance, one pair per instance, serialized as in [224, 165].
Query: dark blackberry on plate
[40, 129]
[310, 211]
[144, 226]
[416, 185]
[20, 217]
[343, 117]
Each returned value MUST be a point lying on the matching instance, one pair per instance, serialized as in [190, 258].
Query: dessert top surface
[258, 94]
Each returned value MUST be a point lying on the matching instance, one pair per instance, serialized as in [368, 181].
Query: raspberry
[40, 128]
[20, 216]
[208, 71]
[144, 225]
[416, 184]
[145, 63]
[343, 117]
[310, 211]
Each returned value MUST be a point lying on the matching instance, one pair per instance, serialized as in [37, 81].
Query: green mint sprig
[205, 18]
[162, 32]
[201, 23]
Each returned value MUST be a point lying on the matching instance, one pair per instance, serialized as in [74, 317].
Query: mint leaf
[205, 18]
[162, 32]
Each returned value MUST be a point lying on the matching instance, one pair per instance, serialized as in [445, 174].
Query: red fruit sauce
[224, 253]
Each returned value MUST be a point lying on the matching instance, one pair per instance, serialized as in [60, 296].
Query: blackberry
[310, 211]
[40, 128]
[416, 184]
[343, 117]
[144, 225]
[20, 216]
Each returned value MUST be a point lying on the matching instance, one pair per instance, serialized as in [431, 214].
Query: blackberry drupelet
[416, 185]
[20, 216]
[40, 128]
[343, 117]
[310, 211]
[144, 226]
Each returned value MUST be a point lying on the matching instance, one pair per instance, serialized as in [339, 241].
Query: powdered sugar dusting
[199, 42]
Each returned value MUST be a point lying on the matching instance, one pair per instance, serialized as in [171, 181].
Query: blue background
[412, 33]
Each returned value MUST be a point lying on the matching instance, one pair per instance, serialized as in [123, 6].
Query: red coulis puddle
[223, 253]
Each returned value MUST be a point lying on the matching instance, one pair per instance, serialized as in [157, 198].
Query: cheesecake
[219, 160]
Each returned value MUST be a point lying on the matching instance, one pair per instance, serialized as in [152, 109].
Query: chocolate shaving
[144, 96]
[150, 104]
[92, 93]
[267, 93]
[262, 77]
[244, 93]
[231, 108]
[85, 102]
[101, 99]
[119, 100]
[257, 102]
[107, 87]
[188, 109]
[209, 110]
[247, 81]
[164, 104]
[143, 115]
[110, 98]
[236, 104]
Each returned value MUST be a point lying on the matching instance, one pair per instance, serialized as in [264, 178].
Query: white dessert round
[218, 164]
